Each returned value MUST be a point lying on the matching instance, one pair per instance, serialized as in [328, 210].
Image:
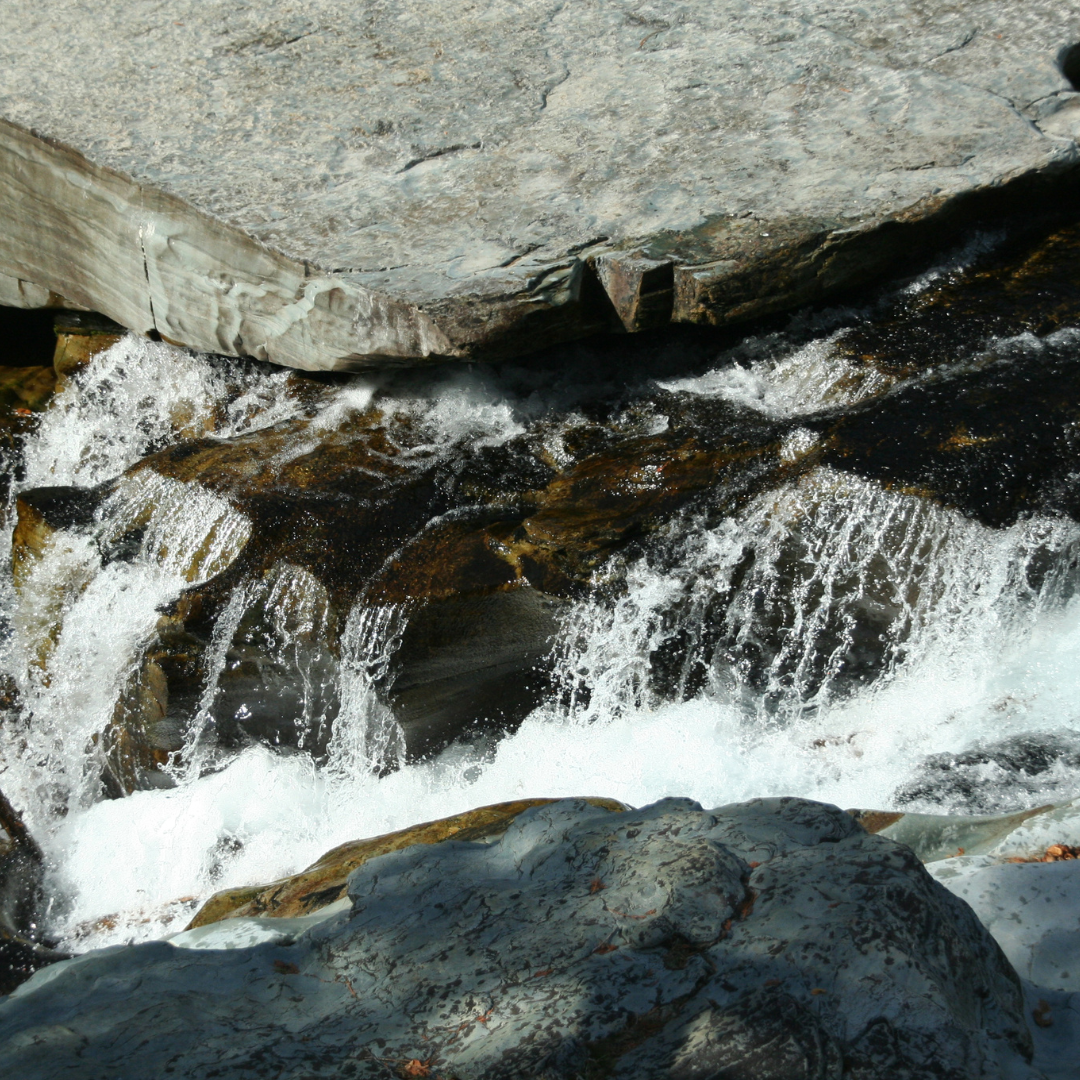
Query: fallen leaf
[596, 885]
[605, 948]
[817, 990]
[1054, 853]
[541, 974]
[772, 982]
[754, 865]
[627, 915]
[416, 1067]
[1061, 852]
[284, 968]
[1041, 1014]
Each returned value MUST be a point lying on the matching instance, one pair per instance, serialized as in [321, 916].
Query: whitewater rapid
[895, 629]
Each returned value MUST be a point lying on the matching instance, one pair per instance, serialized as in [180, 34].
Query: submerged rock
[25, 390]
[467, 183]
[455, 569]
[766, 939]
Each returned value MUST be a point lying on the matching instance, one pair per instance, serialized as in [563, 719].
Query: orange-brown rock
[25, 390]
[76, 347]
[324, 881]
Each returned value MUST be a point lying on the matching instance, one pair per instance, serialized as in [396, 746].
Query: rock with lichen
[769, 938]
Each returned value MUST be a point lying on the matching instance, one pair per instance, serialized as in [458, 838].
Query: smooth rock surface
[331, 185]
[1031, 909]
[771, 938]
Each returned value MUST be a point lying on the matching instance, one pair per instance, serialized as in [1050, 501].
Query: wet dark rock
[996, 777]
[765, 939]
[22, 902]
[977, 379]
[1023, 282]
[995, 441]
[464, 562]
[471, 664]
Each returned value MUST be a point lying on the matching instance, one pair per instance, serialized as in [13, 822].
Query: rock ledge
[332, 186]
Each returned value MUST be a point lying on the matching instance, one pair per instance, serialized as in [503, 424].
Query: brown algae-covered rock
[323, 882]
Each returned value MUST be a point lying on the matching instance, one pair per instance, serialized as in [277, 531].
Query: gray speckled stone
[766, 939]
[331, 184]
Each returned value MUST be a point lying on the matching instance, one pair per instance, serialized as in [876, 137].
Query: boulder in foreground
[773, 938]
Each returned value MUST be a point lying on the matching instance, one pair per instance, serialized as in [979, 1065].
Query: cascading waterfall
[821, 589]
[827, 638]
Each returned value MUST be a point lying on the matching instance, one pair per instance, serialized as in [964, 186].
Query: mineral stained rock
[324, 882]
[773, 938]
[331, 185]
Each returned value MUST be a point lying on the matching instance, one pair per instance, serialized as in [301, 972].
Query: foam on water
[139, 396]
[795, 382]
[823, 643]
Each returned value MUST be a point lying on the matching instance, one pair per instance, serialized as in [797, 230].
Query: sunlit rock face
[770, 938]
[332, 187]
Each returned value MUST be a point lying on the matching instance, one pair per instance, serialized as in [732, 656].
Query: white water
[977, 638]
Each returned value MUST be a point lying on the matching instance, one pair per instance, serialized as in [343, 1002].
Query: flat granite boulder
[328, 184]
[764, 940]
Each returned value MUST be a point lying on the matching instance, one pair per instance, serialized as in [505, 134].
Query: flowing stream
[832, 633]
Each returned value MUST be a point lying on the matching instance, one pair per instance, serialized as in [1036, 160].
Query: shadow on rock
[770, 938]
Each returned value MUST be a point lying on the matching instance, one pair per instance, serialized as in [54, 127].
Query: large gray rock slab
[773, 938]
[328, 184]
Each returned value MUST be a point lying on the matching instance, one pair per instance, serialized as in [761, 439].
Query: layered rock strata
[330, 186]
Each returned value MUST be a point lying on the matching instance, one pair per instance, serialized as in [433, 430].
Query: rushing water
[832, 636]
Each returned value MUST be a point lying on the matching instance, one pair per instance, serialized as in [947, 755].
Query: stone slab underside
[332, 184]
